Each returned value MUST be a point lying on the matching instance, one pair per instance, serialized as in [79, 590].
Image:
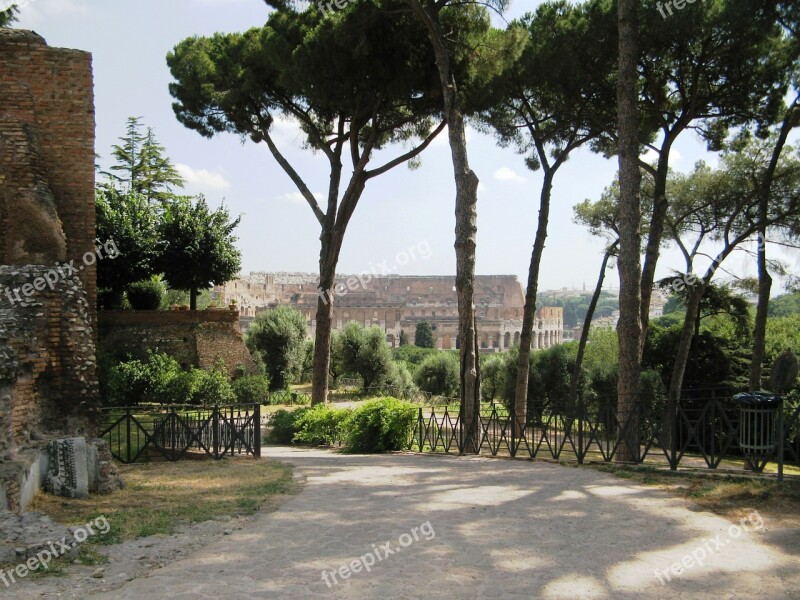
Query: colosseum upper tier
[398, 303]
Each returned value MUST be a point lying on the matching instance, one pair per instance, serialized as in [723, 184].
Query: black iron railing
[702, 434]
[174, 433]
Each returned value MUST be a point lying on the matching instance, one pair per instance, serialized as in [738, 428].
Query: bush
[439, 375]
[158, 380]
[320, 425]
[284, 426]
[382, 425]
[252, 389]
[145, 295]
[210, 387]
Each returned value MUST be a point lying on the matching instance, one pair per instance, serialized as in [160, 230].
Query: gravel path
[476, 528]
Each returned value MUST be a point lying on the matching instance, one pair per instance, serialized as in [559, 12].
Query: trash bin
[758, 422]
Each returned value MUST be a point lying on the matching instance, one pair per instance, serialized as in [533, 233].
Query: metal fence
[174, 433]
[703, 433]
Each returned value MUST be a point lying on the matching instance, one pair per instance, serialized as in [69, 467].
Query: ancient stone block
[67, 472]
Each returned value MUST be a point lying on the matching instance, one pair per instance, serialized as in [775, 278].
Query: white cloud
[297, 197]
[506, 174]
[203, 178]
[651, 156]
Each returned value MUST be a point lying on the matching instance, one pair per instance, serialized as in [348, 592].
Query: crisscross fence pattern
[173, 433]
[702, 433]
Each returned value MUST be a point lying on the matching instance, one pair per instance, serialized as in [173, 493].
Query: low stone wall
[195, 338]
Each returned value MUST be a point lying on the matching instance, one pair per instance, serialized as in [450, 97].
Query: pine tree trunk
[529, 311]
[320, 380]
[193, 299]
[629, 326]
[764, 279]
[466, 229]
[587, 323]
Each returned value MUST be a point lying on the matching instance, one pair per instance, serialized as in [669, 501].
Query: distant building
[398, 303]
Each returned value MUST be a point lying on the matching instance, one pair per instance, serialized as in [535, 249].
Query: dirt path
[412, 526]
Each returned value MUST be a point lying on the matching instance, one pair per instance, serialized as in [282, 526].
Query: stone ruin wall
[48, 381]
[198, 338]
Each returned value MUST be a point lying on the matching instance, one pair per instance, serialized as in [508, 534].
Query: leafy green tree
[142, 166]
[9, 16]
[449, 27]
[547, 113]
[356, 84]
[128, 221]
[363, 352]
[277, 336]
[720, 206]
[423, 336]
[403, 338]
[439, 375]
[197, 249]
[785, 305]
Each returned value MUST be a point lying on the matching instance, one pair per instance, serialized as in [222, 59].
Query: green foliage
[714, 362]
[320, 425]
[399, 380]
[9, 16]
[141, 165]
[492, 376]
[145, 295]
[423, 337]
[439, 375]
[362, 352]
[284, 425]
[160, 380]
[382, 425]
[210, 387]
[251, 389]
[785, 305]
[278, 336]
[413, 356]
[157, 380]
[197, 246]
[129, 222]
[403, 338]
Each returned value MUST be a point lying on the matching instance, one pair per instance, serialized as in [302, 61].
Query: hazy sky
[400, 210]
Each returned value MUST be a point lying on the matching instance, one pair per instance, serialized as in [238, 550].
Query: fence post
[780, 441]
[128, 437]
[215, 431]
[257, 430]
[581, 453]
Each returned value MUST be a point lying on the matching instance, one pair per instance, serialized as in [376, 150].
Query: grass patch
[158, 497]
[728, 495]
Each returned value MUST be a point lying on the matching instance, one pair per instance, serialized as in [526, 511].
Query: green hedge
[381, 425]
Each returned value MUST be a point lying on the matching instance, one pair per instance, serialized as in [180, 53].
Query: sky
[399, 212]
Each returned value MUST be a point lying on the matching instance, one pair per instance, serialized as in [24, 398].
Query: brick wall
[47, 133]
[198, 338]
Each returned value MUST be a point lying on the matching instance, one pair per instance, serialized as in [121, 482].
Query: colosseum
[398, 303]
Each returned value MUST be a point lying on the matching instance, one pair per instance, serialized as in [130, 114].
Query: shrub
[252, 389]
[381, 425]
[145, 295]
[284, 426]
[211, 387]
[159, 380]
[439, 374]
[320, 425]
